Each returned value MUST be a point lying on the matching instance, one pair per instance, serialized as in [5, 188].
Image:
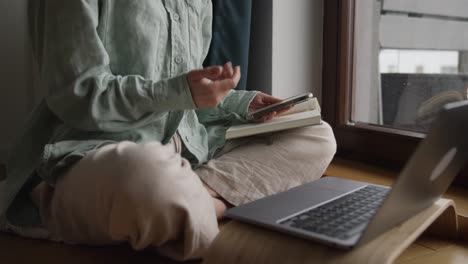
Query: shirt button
[179, 59]
[175, 17]
[187, 139]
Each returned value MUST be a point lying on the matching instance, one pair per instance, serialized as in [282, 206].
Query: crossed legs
[149, 196]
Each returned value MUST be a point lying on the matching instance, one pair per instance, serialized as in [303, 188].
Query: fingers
[270, 116]
[268, 99]
[228, 83]
[216, 72]
[236, 76]
[213, 73]
[209, 87]
[282, 110]
[228, 70]
[265, 118]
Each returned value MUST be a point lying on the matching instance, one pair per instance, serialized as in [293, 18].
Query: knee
[328, 145]
[161, 197]
[149, 173]
[319, 138]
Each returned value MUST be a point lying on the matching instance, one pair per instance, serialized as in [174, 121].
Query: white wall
[297, 47]
[16, 91]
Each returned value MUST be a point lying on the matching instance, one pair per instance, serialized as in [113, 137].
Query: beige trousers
[148, 195]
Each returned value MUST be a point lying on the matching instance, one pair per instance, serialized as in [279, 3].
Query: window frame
[379, 145]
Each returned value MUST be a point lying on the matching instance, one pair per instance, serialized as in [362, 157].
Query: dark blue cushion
[231, 35]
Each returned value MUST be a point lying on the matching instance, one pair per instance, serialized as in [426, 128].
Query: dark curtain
[231, 35]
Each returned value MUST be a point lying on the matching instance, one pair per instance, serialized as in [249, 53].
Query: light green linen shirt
[115, 70]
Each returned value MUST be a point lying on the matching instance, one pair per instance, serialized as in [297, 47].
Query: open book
[303, 114]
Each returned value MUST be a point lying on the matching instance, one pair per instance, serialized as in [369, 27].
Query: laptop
[345, 213]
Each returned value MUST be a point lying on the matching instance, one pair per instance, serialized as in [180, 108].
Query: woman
[128, 145]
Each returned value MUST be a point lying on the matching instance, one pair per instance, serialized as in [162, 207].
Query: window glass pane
[411, 58]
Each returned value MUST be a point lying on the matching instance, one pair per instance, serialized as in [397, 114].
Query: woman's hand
[262, 100]
[210, 85]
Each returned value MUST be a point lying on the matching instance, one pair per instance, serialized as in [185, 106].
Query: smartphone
[278, 106]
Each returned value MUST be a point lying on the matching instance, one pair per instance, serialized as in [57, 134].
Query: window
[389, 67]
[408, 61]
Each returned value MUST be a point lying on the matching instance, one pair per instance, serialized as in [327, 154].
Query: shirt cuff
[239, 102]
[173, 94]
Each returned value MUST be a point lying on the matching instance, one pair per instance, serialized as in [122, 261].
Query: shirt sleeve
[83, 91]
[236, 102]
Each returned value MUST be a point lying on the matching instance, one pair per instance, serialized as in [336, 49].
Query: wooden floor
[426, 250]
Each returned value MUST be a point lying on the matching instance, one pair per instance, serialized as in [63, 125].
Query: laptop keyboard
[341, 218]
